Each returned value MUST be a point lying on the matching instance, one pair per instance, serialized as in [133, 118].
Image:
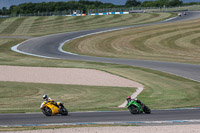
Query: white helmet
[45, 96]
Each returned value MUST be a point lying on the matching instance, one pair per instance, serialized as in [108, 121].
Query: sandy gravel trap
[63, 76]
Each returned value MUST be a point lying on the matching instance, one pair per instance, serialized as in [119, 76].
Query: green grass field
[38, 26]
[164, 91]
[26, 97]
[177, 42]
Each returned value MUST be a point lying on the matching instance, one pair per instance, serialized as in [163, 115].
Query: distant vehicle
[180, 14]
[184, 13]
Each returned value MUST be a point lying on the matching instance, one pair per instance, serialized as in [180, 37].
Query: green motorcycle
[136, 107]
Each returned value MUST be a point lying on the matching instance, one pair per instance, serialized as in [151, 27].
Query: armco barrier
[118, 13]
[77, 15]
[105, 13]
[99, 13]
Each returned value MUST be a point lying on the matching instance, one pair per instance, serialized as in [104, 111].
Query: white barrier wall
[105, 13]
[77, 15]
[109, 13]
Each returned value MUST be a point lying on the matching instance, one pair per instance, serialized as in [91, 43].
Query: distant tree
[4, 11]
[162, 2]
[14, 9]
[132, 3]
[192, 3]
[176, 2]
[149, 4]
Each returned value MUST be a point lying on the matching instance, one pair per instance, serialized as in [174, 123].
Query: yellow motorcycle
[51, 108]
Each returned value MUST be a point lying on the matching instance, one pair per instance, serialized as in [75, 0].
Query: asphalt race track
[50, 47]
[185, 116]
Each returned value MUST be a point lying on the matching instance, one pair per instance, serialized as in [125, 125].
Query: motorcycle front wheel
[47, 111]
[133, 110]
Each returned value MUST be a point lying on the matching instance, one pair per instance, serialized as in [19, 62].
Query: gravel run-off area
[63, 76]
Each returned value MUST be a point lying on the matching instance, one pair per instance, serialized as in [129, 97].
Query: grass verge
[27, 97]
[175, 42]
[38, 26]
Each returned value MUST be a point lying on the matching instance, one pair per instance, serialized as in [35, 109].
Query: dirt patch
[63, 76]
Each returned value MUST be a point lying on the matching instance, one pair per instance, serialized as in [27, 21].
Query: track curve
[48, 46]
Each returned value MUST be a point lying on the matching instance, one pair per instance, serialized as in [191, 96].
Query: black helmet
[45, 96]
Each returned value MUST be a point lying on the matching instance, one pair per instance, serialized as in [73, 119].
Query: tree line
[157, 3]
[27, 8]
[84, 5]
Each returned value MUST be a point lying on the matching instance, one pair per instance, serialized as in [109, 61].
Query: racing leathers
[49, 100]
[138, 101]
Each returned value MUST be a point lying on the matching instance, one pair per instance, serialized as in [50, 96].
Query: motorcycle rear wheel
[146, 110]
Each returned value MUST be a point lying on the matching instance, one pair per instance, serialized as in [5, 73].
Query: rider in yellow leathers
[48, 99]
